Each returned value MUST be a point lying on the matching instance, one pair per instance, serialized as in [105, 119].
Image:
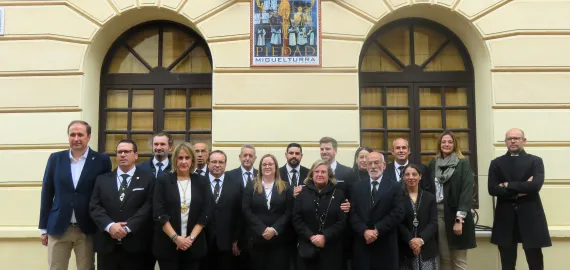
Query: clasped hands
[183, 243]
[370, 236]
[118, 230]
[269, 233]
[506, 184]
[318, 240]
[416, 245]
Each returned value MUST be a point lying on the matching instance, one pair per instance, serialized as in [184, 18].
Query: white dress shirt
[268, 192]
[333, 166]
[377, 186]
[119, 182]
[203, 170]
[76, 169]
[184, 216]
[213, 183]
[290, 174]
[396, 166]
[244, 176]
[164, 165]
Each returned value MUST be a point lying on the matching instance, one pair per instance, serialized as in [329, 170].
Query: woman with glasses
[319, 221]
[267, 205]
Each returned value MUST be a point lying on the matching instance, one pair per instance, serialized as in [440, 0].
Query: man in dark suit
[293, 172]
[162, 144]
[121, 206]
[224, 227]
[245, 173]
[65, 224]
[401, 152]
[516, 179]
[202, 153]
[377, 211]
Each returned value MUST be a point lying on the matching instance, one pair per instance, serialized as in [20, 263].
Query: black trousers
[119, 259]
[218, 259]
[509, 258]
[270, 257]
[182, 262]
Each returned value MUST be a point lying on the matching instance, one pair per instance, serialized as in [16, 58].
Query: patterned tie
[159, 173]
[400, 170]
[217, 189]
[294, 180]
[124, 185]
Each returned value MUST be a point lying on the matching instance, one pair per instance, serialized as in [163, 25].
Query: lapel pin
[93, 158]
[137, 177]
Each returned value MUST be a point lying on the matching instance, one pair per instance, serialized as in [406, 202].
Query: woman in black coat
[267, 205]
[319, 220]
[359, 165]
[181, 207]
[418, 230]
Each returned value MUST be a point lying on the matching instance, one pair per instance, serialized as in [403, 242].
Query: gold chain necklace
[183, 206]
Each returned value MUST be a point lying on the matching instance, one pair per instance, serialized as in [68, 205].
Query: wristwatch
[459, 221]
[192, 237]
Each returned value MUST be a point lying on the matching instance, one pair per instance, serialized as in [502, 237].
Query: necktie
[217, 189]
[294, 180]
[400, 170]
[200, 172]
[248, 177]
[159, 172]
[124, 185]
[374, 191]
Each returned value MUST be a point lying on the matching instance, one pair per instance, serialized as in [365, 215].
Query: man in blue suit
[65, 224]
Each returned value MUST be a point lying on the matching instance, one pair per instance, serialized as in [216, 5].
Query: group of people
[184, 210]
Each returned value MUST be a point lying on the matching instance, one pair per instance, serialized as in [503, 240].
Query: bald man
[202, 153]
[516, 179]
[378, 211]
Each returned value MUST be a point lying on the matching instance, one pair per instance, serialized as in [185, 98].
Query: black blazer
[526, 211]
[424, 183]
[385, 215]
[302, 174]
[304, 218]
[225, 225]
[135, 209]
[258, 217]
[166, 207]
[236, 174]
[148, 166]
[345, 177]
[427, 229]
[59, 198]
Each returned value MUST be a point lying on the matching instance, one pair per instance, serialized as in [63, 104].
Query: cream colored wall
[53, 68]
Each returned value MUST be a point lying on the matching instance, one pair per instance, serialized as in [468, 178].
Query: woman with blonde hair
[319, 221]
[181, 207]
[453, 186]
[267, 205]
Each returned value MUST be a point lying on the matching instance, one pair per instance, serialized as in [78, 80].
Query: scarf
[444, 168]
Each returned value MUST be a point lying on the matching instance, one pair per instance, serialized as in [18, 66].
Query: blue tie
[159, 173]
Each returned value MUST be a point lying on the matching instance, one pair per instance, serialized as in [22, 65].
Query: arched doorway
[416, 80]
[157, 76]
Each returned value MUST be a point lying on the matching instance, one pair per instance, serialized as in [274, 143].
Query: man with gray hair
[245, 172]
[516, 178]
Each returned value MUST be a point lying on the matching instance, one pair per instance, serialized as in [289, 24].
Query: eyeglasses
[513, 138]
[268, 164]
[218, 162]
[120, 152]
